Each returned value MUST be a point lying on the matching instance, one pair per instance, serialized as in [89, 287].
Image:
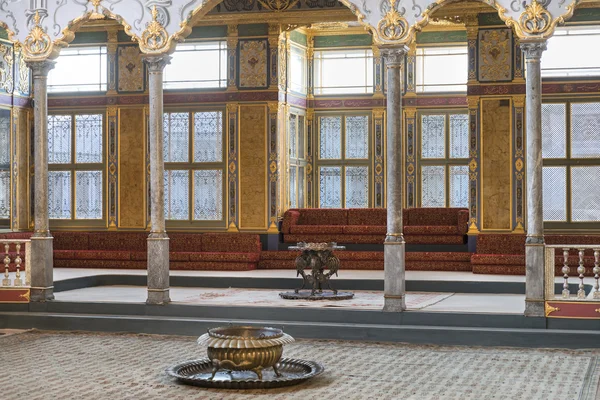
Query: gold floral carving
[495, 55]
[23, 73]
[155, 38]
[253, 64]
[393, 26]
[549, 309]
[278, 5]
[131, 78]
[37, 45]
[6, 68]
[535, 19]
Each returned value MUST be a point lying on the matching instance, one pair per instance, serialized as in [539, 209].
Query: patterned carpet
[46, 365]
[270, 298]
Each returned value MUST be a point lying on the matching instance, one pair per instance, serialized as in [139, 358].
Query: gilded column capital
[232, 107]
[157, 64]
[111, 112]
[533, 49]
[410, 112]
[518, 101]
[232, 30]
[310, 114]
[394, 56]
[378, 113]
[473, 101]
[273, 107]
[40, 68]
[111, 44]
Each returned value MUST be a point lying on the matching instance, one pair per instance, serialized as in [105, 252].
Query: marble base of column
[158, 269]
[534, 280]
[42, 281]
[394, 291]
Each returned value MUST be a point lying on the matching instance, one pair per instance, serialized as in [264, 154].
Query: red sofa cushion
[18, 235]
[128, 241]
[64, 254]
[367, 216]
[102, 255]
[430, 230]
[430, 216]
[225, 257]
[500, 244]
[498, 259]
[290, 218]
[173, 256]
[323, 216]
[227, 242]
[316, 229]
[365, 230]
[185, 242]
[71, 240]
[438, 256]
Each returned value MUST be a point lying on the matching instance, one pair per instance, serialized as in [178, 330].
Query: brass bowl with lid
[245, 348]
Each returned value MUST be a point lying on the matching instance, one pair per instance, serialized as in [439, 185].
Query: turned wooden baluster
[18, 281]
[6, 280]
[596, 273]
[581, 272]
[565, 271]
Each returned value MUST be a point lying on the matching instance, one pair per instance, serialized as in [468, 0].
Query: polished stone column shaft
[534, 245]
[42, 281]
[394, 249]
[158, 241]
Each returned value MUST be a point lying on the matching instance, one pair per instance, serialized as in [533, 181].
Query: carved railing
[16, 258]
[573, 259]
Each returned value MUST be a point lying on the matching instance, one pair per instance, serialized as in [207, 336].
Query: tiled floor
[46, 365]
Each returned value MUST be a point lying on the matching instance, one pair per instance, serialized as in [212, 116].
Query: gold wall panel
[131, 69]
[132, 171]
[22, 119]
[253, 167]
[496, 169]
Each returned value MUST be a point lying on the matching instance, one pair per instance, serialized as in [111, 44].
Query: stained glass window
[183, 72]
[433, 186]
[194, 184]
[75, 154]
[208, 195]
[330, 134]
[330, 187]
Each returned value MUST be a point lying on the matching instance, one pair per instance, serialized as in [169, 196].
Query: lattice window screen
[554, 130]
[208, 195]
[293, 135]
[177, 199]
[459, 136]
[357, 137]
[208, 136]
[585, 130]
[88, 138]
[357, 187]
[5, 194]
[59, 139]
[554, 184]
[433, 136]
[433, 186]
[88, 194]
[585, 194]
[59, 194]
[459, 186]
[176, 137]
[5, 164]
[330, 138]
[293, 186]
[330, 187]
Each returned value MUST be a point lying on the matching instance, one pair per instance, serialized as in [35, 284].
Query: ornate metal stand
[317, 257]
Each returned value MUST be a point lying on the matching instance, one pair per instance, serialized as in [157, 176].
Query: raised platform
[467, 309]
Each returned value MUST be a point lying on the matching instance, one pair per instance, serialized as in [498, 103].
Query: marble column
[158, 241]
[394, 268]
[534, 245]
[42, 280]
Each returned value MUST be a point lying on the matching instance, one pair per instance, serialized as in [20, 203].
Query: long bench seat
[369, 225]
[127, 250]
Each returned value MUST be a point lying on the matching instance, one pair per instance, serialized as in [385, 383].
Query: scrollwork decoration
[37, 44]
[535, 19]
[155, 37]
[278, 5]
[393, 26]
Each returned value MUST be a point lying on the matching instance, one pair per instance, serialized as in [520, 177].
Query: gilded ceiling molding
[37, 46]
[155, 38]
[278, 5]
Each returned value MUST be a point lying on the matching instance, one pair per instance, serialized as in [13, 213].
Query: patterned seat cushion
[365, 230]
[225, 257]
[323, 216]
[367, 216]
[126, 241]
[498, 259]
[185, 242]
[430, 230]
[316, 229]
[231, 242]
[101, 255]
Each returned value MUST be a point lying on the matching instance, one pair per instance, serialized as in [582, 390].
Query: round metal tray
[198, 372]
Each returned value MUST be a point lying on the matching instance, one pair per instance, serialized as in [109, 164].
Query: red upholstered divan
[127, 250]
[435, 225]
[353, 225]
[505, 253]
